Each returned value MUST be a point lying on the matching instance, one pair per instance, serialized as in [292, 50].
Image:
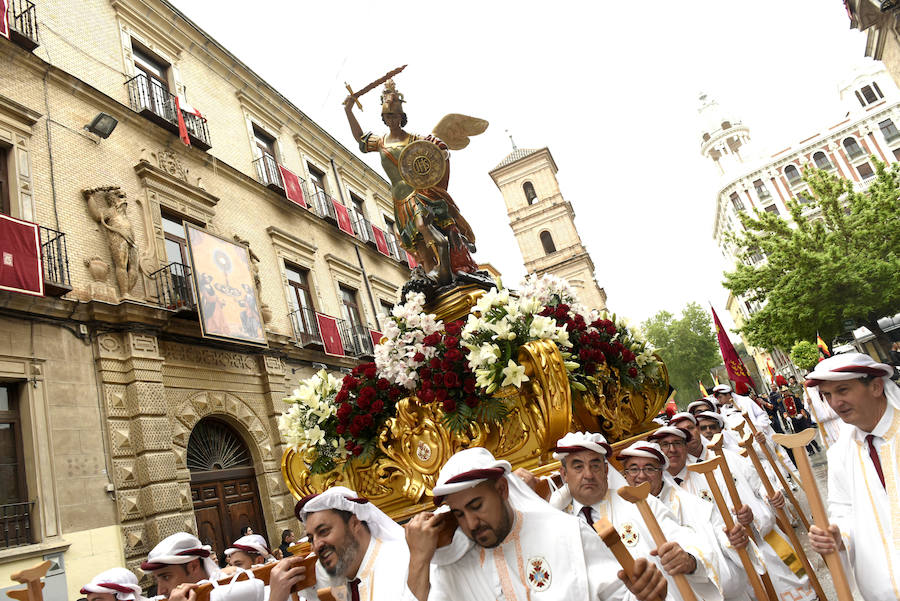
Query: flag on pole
[823, 348]
[182, 128]
[411, 261]
[733, 364]
[702, 388]
[715, 379]
[771, 369]
[380, 240]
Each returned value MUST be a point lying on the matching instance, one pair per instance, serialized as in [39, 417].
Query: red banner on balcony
[380, 240]
[376, 337]
[182, 128]
[21, 269]
[4, 23]
[411, 261]
[331, 335]
[292, 188]
[343, 217]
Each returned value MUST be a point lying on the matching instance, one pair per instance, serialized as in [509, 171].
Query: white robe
[824, 416]
[548, 555]
[867, 514]
[382, 574]
[627, 520]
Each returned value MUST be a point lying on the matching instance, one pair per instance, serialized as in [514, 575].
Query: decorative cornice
[290, 242]
[155, 178]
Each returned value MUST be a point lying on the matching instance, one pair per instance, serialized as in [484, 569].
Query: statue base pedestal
[456, 303]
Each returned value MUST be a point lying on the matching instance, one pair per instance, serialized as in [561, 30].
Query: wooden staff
[716, 446]
[787, 489]
[31, 578]
[638, 496]
[784, 522]
[812, 407]
[798, 442]
[707, 468]
[611, 539]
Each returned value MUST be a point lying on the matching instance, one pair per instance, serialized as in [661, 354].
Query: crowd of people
[492, 536]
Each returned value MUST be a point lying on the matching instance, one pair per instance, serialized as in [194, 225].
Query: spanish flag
[771, 369]
[702, 389]
[715, 379]
[823, 348]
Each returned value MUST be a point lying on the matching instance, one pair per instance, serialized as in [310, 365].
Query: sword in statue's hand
[372, 86]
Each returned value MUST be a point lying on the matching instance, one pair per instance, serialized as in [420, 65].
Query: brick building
[120, 423]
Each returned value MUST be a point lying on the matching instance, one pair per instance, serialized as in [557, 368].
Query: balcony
[55, 257]
[762, 193]
[154, 101]
[356, 339]
[305, 326]
[267, 173]
[23, 24]
[15, 524]
[363, 229]
[174, 288]
[321, 203]
[394, 248]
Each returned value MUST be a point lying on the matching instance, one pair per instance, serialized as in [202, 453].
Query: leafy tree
[687, 345]
[835, 260]
[805, 355]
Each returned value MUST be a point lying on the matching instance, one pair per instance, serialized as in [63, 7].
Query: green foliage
[490, 410]
[687, 345]
[841, 265]
[805, 355]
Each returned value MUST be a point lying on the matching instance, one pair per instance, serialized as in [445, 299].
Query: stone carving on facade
[99, 287]
[208, 357]
[264, 309]
[171, 164]
[107, 205]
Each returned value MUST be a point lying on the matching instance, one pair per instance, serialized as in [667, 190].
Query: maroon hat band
[853, 369]
[577, 449]
[488, 473]
[110, 585]
[298, 508]
[659, 456]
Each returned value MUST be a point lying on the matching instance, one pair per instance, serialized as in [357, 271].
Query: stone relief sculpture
[107, 205]
[264, 309]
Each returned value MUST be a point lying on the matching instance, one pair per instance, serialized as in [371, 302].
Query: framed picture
[226, 291]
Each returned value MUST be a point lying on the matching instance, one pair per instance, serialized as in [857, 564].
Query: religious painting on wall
[226, 290]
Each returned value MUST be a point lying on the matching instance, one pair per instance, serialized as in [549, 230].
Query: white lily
[513, 374]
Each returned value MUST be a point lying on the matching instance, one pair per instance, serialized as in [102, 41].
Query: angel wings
[455, 129]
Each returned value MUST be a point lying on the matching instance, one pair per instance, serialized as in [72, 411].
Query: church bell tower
[544, 222]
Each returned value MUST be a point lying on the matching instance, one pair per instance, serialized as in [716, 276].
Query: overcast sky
[610, 87]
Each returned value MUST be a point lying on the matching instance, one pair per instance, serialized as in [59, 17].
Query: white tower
[724, 140]
[544, 222]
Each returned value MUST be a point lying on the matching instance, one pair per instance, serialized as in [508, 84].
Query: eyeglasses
[648, 469]
[672, 444]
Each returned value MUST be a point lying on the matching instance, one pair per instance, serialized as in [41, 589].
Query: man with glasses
[587, 495]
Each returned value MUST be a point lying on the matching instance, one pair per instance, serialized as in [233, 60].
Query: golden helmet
[391, 100]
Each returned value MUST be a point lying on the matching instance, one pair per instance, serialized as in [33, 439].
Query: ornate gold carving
[422, 165]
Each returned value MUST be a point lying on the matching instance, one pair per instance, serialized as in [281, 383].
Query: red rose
[355, 371]
[377, 406]
[355, 429]
[382, 384]
[425, 373]
[394, 393]
[469, 385]
[451, 342]
[418, 357]
[611, 330]
[546, 311]
[440, 395]
[357, 451]
[370, 373]
[632, 372]
[432, 339]
[453, 328]
[435, 363]
[363, 403]
[344, 410]
[451, 380]
[341, 395]
[368, 419]
[446, 364]
[349, 445]
[367, 393]
[350, 382]
[449, 406]
[426, 396]
[340, 429]
[453, 355]
[472, 401]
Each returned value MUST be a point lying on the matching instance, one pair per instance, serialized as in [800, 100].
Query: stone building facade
[127, 423]
[543, 222]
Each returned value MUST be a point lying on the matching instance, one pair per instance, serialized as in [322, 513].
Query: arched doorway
[223, 484]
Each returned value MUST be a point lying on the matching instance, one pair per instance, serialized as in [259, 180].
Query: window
[384, 311]
[178, 278]
[761, 190]
[860, 98]
[804, 197]
[792, 174]
[317, 178]
[772, 209]
[530, 194]
[350, 308]
[176, 245]
[13, 492]
[547, 242]
[264, 151]
[300, 300]
[821, 160]
[154, 85]
[869, 94]
[5, 207]
[889, 130]
[726, 124]
[865, 170]
[877, 90]
[897, 154]
[852, 147]
[736, 201]
[264, 144]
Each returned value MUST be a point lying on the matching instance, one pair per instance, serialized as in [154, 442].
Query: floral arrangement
[403, 350]
[365, 402]
[310, 423]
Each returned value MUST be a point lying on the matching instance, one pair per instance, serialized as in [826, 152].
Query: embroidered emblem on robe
[539, 575]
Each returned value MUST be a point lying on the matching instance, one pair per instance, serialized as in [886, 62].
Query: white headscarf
[120, 582]
[722, 389]
[851, 366]
[581, 441]
[179, 549]
[341, 498]
[252, 543]
[648, 450]
[713, 415]
[683, 415]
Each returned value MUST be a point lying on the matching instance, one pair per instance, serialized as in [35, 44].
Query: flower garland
[310, 423]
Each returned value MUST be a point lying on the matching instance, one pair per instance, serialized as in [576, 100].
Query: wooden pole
[31, 578]
[798, 442]
[716, 446]
[611, 539]
[812, 407]
[780, 476]
[707, 468]
[784, 521]
[638, 496]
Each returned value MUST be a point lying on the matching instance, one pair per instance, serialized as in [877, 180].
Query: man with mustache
[863, 472]
[362, 552]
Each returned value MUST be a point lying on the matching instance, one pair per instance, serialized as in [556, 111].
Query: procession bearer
[863, 476]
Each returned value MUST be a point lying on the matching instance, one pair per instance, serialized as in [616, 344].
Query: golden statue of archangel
[430, 225]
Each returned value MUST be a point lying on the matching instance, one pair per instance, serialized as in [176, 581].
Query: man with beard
[590, 494]
[863, 476]
[361, 551]
[511, 544]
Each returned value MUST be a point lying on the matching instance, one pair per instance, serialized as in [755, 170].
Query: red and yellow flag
[823, 348]
[702, 389]
[733, 364]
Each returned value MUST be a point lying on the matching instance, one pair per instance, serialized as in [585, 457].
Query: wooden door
[223, 507]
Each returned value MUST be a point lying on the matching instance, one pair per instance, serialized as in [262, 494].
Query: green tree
[688, 346]
[805, 355]
[835, 260]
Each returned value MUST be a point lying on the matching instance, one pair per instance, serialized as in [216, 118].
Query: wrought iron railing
[173, 287]
[363, 229]
[55, 256]
[306, 328]
[320, 202]
[267, 171]
[152, 98]
[15, 524]
[356, 339]
[762, 193]
[394, 248]
[22, 18]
